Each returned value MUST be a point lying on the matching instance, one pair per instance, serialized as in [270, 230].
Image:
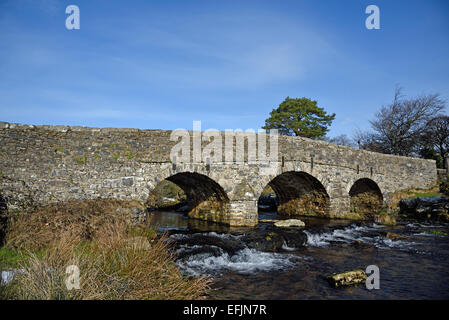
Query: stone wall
[54, 163]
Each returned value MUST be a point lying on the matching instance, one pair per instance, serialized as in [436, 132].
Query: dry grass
[116, 261]
[37, 229]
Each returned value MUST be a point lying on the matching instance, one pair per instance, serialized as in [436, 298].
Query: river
[414, 268]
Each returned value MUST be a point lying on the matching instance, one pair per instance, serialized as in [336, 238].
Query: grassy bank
[116, 259]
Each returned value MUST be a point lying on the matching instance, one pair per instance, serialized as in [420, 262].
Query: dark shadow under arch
[299, 193]
[366, 197]
[206, 199]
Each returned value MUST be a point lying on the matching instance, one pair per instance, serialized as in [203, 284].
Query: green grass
[435, 232]
[426, 194]
[11, 258]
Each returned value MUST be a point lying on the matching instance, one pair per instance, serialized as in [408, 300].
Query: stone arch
[300, 193]
[206, 199]
[365, 197]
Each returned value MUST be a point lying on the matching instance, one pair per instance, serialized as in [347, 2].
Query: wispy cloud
[229, 52]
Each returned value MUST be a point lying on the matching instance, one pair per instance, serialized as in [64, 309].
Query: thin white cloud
[226, 52]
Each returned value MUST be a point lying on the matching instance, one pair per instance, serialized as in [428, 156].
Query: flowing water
[414, 268]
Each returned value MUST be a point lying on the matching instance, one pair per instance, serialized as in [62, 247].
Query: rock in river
[231, 246]
[269, 241]
[347, 278]
[273, 239]
[394, 236]
[289, 223]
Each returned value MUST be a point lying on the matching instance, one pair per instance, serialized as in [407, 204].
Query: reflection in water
[171, 220]
[414, 268]
[168, 220]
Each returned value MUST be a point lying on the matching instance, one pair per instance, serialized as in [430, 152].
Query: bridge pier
[242, 213]
[338, 206]
[235, 213]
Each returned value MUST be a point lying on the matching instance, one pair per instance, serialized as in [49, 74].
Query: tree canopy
[409, 127]
[435, 137]
[300, 117]
[398, 127]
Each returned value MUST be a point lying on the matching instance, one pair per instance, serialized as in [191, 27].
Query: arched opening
[167, 196]
[366, 197]
[297, 194]
[194, 193]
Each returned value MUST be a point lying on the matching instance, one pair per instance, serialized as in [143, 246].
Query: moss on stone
[116, 156]
[81, 160]
[129, 154]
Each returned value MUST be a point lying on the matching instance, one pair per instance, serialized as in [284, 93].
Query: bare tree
[398, 126]
[436, 136]
[341, 140]
[365, 141]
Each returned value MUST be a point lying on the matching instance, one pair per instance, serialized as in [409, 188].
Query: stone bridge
[56, 163]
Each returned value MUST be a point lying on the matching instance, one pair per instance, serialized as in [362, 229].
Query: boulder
[394, 236]
[289, 223]
[294, 238]
[426, 208]
[231, 246]
[264, 241]
[385, 219]
[347, 278]
[205, 250]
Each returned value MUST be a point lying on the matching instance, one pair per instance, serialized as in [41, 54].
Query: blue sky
[163, 64]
